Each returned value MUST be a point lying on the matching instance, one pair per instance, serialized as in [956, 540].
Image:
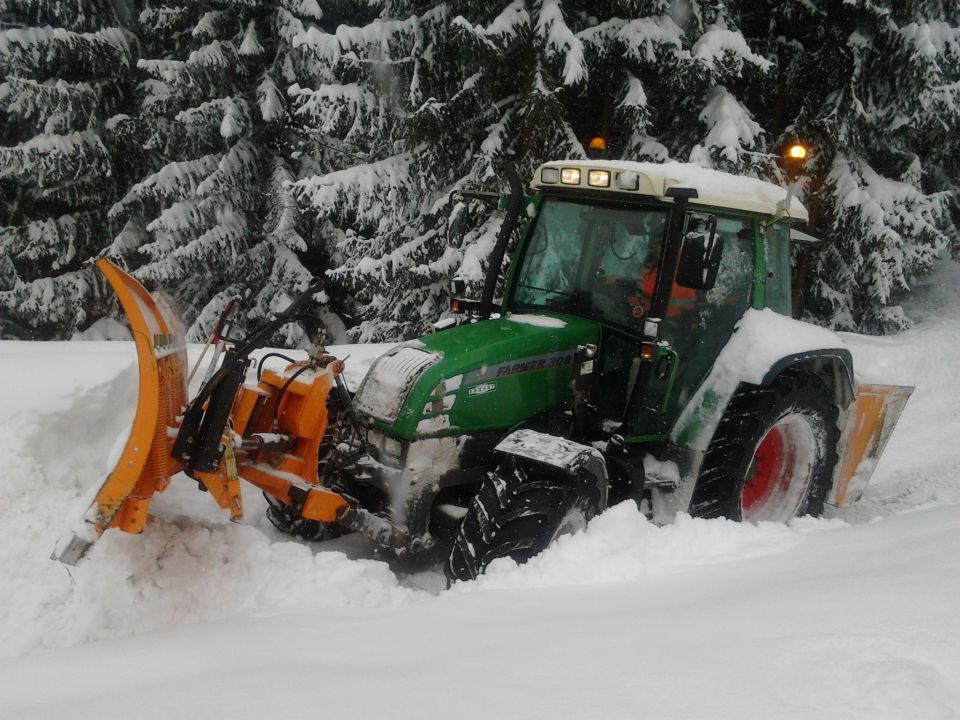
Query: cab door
[699, 324]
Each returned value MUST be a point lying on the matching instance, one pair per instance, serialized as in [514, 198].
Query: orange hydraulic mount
[271, 440]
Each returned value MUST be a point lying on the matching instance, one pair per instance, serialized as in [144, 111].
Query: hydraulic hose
[270, 355]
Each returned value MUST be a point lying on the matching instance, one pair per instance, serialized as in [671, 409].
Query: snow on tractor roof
[714, 188]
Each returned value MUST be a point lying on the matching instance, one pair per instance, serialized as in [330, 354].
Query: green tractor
[642, 350]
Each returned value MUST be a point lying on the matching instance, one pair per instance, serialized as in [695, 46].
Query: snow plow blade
[145, 466]
[873, 418]
[268, 434]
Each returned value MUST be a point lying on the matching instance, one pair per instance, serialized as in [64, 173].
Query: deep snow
[854, 615]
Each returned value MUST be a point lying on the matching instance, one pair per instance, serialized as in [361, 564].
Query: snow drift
[852, 615]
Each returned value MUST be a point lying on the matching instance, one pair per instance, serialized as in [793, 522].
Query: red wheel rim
[780, 472]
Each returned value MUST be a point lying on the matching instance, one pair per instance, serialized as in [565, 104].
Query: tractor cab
[665, 259]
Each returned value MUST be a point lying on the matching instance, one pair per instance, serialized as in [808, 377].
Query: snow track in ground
[839, 617]
[921, 465]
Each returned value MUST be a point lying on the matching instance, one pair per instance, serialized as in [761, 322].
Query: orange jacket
[681, 298]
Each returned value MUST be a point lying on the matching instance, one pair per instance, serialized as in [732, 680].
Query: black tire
[773, 454]
[283, 518]
[517, 513]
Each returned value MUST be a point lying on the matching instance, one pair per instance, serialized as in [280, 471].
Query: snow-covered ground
[856, 615]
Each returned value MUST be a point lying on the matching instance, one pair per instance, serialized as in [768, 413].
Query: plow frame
[270, 437]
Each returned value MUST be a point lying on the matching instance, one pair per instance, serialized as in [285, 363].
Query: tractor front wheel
[284, 519]
[773, 454]
[517, 513]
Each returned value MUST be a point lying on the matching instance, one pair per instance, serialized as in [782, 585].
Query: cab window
[596, 261]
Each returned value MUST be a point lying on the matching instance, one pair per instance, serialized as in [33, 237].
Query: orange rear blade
[145, 466]
[873, 419]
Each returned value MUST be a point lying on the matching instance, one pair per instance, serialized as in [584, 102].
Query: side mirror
[457, 225]
[700, 252]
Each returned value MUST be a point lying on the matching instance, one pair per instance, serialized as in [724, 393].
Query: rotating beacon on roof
[642, 350]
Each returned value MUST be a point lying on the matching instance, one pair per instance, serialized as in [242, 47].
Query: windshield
[597, 261]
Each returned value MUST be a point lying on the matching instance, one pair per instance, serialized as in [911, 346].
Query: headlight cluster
[595, 178]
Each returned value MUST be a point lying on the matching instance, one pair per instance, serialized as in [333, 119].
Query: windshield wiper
[534, 287]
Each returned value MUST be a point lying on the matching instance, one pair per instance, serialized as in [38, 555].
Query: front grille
[390, 380]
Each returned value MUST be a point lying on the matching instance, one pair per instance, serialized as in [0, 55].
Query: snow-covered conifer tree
[213, 217]
[437, 100]
[64, 76]
[871, 86]
[672, 81]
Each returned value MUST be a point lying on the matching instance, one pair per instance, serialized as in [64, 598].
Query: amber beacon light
[797, 152]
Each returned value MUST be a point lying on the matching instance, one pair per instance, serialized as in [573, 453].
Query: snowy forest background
[246, 146]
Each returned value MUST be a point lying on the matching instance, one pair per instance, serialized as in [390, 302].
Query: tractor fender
[834, 365]
[763, 344]
[696, 425]
[582, 464]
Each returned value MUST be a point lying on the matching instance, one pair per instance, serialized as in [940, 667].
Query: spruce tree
[272, 141]
[868, 85]
[213, 218]
[64, 83]
[441, 99]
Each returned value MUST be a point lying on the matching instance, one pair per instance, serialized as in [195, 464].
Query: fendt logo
[482, 389]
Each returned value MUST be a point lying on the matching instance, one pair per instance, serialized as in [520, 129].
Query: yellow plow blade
[145, 465]
[874, 416]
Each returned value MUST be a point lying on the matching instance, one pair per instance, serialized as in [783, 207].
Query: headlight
[390, 380]
[628, 180]
[598, 178]
[570, 176]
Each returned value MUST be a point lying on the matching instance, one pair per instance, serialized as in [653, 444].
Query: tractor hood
[481, 377]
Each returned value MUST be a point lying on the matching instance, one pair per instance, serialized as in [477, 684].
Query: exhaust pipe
[496, 257]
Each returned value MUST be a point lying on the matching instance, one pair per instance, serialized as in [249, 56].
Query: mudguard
[864, 437]
[583, 464]
[868, 413]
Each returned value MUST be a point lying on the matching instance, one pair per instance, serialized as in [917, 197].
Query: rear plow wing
[869, 425]
[145, 466]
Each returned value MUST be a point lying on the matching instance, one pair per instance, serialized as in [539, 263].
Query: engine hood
[475, 378]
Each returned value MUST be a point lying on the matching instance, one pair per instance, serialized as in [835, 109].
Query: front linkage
[269, 434]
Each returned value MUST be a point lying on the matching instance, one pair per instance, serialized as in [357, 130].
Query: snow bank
[193, 566]
[920, 466]
[58, 428]
[820, 618]
[621, 545]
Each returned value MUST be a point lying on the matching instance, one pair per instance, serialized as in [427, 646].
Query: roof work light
[797, 152]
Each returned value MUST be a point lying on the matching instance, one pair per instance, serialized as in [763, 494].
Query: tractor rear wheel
[773, 454]
[517, 513]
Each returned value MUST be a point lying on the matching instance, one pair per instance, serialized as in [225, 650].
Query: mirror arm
[671, 253]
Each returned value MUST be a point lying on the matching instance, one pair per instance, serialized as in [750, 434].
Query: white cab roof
[714, 188]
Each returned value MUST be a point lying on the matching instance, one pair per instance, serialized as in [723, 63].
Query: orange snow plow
[268, 434]
[874, 415]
